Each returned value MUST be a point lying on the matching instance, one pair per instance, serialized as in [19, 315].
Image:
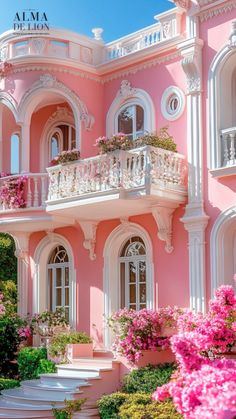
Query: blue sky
[117, 17]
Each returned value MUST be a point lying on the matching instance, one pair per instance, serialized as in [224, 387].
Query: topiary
[109, 405]
[147, 379]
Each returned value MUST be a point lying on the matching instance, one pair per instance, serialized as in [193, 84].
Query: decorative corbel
[163, 217]
[191, 51]
[232, 38]
[89, 229]
[125, 223]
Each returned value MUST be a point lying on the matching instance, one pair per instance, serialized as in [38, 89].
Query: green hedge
[147, 379]
[6, 383]
[32, 362]
[135, 406]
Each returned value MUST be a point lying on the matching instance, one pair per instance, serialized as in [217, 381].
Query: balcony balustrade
[32, 191]
[228, 138]
[121, 171]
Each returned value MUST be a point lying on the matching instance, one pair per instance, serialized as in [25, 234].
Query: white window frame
[141, 98]
[127, 105]
[126, 260]
[57, 130]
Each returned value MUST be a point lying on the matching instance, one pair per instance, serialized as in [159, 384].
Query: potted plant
[68, 346]
[50, 323]
[66, 156]
[121, 141]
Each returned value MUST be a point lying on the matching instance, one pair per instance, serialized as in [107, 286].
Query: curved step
[25, 410]
[18, 396]
[35, 386]
[53, 378]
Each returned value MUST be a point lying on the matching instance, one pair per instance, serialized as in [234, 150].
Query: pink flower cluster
[12, 192]
[24, 332]
[208, 392]
[205, 386]
[142, 330]
[119, 141]
[2, 306]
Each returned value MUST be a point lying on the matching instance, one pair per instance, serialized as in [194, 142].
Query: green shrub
[8, 261]
[9, 342]
[32, 362]
[147, 379]
[108, 406]
[140, 406]
[58, 343]
[6, 383]
[71, 406]
[9, 290]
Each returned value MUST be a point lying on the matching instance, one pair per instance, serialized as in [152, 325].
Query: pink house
[139, 228]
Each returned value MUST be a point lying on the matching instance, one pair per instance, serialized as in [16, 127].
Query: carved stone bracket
[163, 217]
[191, 51]
[89, 229]
[232, 38]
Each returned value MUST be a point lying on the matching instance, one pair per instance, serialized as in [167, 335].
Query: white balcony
[227, 153]
[118, 184]
[34, 192]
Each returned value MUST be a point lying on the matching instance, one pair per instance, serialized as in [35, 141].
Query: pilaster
[22, 254]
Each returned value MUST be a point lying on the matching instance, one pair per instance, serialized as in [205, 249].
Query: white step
[25, 410]
[80, 371]
[36, 387]
[54, 378]
[18, 396]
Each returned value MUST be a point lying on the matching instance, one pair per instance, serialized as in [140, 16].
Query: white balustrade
[228, 138]
[34, 190]
[117, 170]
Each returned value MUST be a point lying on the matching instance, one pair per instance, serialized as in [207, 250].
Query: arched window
[61, 138]
[131, 121]
[133, 277]
[59, 284]
[15, 153]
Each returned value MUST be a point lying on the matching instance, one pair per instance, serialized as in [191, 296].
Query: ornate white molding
[89, 229]
[126, 90]
[163, 217]
[61, 114]
[168, 94]
[191, 51]
[217, 10]
[182, 4]
[48, 81]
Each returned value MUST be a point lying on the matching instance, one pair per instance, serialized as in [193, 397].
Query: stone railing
[228, 138]
[167, 28]
[34, 194]
[126, 170]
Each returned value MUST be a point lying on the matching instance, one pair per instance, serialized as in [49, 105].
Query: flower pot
[79, 350]
[155, 357]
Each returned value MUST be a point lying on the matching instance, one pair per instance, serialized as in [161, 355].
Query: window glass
[131, 121]
[15, 153]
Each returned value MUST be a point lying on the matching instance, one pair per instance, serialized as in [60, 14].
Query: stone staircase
[87, 378]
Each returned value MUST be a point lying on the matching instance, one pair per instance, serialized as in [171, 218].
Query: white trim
[215, 92]
[221, 245]
[111, 252]
[45, 246]
[172, 91]
[132, 97]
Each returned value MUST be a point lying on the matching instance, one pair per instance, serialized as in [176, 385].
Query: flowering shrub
[66, 156]
[205, 387]
[122, 141]
[12, 192]
[141, 330]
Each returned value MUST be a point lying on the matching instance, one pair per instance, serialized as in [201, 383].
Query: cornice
[102, 78]
[211, 9]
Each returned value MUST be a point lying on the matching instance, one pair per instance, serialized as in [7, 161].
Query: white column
[22, 254]
[195, 220]
[22, 281]
[25, 148]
